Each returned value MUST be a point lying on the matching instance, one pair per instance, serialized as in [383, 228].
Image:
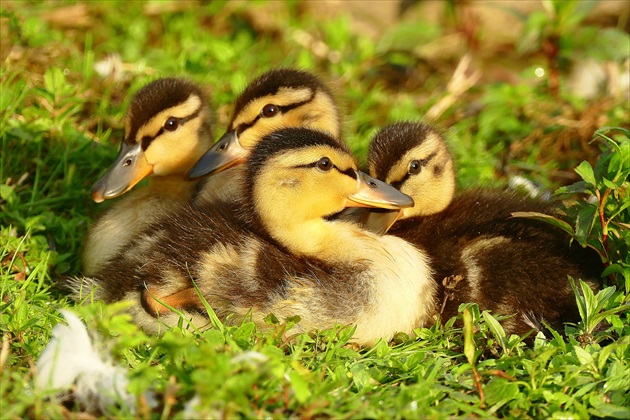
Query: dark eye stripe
[398, 184]
[431, 156]
[147, 140]
[283, 109]
[308, 165]
[348, 172]
[423, 163]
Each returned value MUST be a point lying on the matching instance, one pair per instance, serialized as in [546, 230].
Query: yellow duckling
[167, 128]
[279, 251]
[278, 98]
[478, 251]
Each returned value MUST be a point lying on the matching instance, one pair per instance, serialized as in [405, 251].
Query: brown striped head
[277, 99]
[167, 129]
[296, 178]
[413, 157]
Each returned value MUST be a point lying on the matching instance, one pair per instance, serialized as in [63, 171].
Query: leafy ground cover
[68, 70]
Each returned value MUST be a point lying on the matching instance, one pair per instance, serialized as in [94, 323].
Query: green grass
[59, 128]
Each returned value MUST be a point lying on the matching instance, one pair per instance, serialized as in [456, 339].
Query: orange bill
[224, 154]
[371, 192]
[129, 168]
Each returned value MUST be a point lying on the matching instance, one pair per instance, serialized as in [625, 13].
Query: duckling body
[113, 230]
[506, 265]
[509, 266]
[167, 128]
[278, 252]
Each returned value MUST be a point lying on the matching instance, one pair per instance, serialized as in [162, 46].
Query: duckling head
[413, 157]
[279, 98]
[167, 129]
[297, 178]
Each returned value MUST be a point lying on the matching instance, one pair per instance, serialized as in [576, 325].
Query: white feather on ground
[69, 358]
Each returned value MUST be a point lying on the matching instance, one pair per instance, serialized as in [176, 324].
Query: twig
[170, 396]
[469, 352]
[602, 220]
[461, 80]
[4, 353]
[499, 373]
[477, 381]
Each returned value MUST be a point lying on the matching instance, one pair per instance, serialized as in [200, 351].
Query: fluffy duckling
[167, 129]
[478, 252]
[279, 251]
[279, 98]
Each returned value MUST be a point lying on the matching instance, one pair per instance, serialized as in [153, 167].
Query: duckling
[478, 251]
[278, 250]
[279, 98]
[167, 129]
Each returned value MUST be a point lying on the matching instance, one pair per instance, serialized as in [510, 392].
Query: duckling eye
[269, 111]
[415, 167]
[324, 164]
[171, 124]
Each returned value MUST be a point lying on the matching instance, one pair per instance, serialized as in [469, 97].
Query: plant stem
[602, 219]
[604, 223]
[477, 382]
